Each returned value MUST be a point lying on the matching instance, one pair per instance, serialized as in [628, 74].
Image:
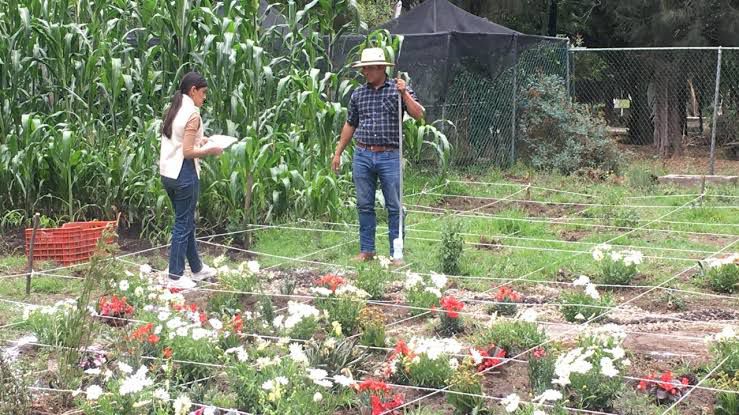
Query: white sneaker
[182, 283]
[205, 274]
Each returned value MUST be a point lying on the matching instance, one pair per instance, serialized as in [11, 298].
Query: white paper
[222, 141]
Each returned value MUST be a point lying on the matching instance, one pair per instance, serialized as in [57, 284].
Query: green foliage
[513, 336]
[465, 380]
[372, 324]
[450, 248]
[561, 135]
[375, 12]
[14, 397]
[724, 278]
[725, 348]
[422, 142]
[727, 403]
[428, 373]
[615, 272]
[578, 307]
[541, 370]
[373, 277]
[336, 356]
[343, 309]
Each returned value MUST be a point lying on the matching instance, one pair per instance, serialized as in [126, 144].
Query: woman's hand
[214, 151]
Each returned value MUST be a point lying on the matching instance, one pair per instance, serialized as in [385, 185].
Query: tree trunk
[667, 115]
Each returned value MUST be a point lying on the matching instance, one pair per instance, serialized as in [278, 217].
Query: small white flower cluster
[297, 354]
[512, 401]
[247, 267]
[433, 284]
[721, 261]
[134, 383]
[274, 383]
[628, 257]
[606, 342]
[434, 348]
[319, 377]
[64, 306]
[344, 290]
[296, 312]
[727, 334]
[590, 288]
[240, 353]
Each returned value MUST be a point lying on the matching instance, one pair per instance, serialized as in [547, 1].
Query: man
[373, 121]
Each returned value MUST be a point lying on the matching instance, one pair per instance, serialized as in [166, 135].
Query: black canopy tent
[467, 69]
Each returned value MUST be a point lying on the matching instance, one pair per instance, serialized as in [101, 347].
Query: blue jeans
[183, 192]
[367, 167]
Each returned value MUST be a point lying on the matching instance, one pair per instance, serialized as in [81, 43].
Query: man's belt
[376, 149]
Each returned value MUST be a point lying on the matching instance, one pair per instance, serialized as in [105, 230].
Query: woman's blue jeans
[183, 192]
[367, 167]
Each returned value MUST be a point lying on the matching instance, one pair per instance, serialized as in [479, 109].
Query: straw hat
[371, 57]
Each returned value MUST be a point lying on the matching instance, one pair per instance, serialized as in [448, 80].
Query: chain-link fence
[667, 98]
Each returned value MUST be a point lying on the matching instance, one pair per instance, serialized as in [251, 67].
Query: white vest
[170, 150]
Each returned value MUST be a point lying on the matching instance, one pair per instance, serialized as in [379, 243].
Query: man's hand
[336, 163]
[402, 87]
[214, 151]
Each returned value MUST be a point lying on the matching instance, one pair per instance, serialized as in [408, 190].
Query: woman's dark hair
[191, 79]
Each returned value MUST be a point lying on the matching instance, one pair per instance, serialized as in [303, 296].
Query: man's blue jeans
[367, 167]
[183, 192]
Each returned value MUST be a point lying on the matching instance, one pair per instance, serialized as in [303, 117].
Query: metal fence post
[567, 60]
[515, 99]
[715, 113]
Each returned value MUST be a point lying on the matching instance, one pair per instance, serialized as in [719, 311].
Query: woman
[181, 147]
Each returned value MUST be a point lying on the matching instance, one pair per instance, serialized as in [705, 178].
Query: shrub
[541, 370]
[450, 320]
[506, 299]
[423, 292]
[342, 301]
[725, 346]
[450, 249]
[616, 267]
[723, 278]
[584, 305]
[466, 382]
[14, 397]
[372, 277]
[425, 362]
[559, 134]
[727, 403]
[513, 336]
[372, 324]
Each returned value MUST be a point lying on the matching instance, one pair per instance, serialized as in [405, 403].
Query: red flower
[539, 352]
[505, 293]
[203, 317]
[452, 306]
[644, 384]
[331, 281]
[401, 348]
[380, 407]
[238, 323]
[114, 306]
[373, 386]
[489, 361]
[167, 353]
[142, 331]
[153, 339]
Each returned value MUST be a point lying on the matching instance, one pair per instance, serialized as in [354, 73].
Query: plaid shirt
[374, 113]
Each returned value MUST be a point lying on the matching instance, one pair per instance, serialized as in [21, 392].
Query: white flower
[435, 348]
[297, 354]
[344, 381]
[549, 395]
[607, 368]
[145, 269]
[322, 291]
[219, 260]
[476, 356]
[139, 292]
[135, 383]
[93, 392]
[174, 323]
[727, 333]
[268, 385]
[529, 315]
[125, 368]
[182, 331]
[579, 316]
[318, 376]
[598, 255]
[211, 410]
[182, 405]
[384, 262]
[123, 285]
[317, 397]
[511, 402]
[439, 280]
[95, 371]
[615, 256]
[253, 267]
[453, 363]
[617, 352]
[632, 258]
[164, 315]
[281, 380]
[539, 412]
[592, 291]
[581, 280]
[433, 290]
[215, 323]
[161, 394]
[412, 279]
[241, 354]
[350, 290]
